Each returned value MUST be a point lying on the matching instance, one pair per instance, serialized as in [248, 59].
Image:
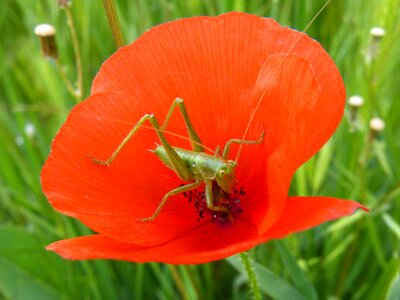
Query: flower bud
[47, 33]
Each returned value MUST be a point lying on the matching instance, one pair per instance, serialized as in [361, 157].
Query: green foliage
[356, 257]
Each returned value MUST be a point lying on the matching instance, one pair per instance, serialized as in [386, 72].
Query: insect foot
[105, 163]
[144, 220]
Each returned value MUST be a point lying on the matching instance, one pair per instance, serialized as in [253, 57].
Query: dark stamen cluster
[221, 199]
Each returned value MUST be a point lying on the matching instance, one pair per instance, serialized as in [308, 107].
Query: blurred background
[353, 258]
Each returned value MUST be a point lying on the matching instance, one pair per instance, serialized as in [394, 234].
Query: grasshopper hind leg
[126, 139]
[195, 140]
[178, 165]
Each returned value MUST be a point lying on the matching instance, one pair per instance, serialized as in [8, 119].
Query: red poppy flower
[225, 68]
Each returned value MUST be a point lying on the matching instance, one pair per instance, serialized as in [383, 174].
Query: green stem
[193, 280]
[112, 17]
[178, 281]
[78, 60]
[247, 263]
[67, 83]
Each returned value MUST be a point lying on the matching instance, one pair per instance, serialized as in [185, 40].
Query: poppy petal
[235, 72]
[222, 66]
[111, 199]
[203, 245]
[302, 213]
[300, 120]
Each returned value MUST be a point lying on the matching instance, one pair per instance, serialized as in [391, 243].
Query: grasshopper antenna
[276, 72]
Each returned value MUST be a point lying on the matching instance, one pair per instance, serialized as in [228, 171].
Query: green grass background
[353, 258]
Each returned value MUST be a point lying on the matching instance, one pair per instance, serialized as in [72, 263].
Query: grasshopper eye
[221, 172]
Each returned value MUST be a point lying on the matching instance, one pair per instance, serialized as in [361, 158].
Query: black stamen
[222, 199]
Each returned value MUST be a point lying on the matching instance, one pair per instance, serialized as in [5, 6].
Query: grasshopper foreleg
[210, 201]
[181, 189]
[239, 141]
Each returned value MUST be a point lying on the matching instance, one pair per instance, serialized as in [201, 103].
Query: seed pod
[64, 3]
[355, 102]
[47, 33]
[377, 33]
[376, 124]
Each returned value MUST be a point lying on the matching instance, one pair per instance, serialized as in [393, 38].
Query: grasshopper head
[226, 176]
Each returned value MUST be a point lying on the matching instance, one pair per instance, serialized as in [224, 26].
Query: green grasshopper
[193, 166]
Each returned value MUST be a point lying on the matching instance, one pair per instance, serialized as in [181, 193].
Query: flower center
[229, 201]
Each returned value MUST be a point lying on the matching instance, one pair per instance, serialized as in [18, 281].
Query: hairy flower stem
[67, 83]
[112, 17]
[247, 263]
[352, 249]
[178, 281]
[78, 60]
[193, 280]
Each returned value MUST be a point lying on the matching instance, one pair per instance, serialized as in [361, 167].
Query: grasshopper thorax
[225, 176]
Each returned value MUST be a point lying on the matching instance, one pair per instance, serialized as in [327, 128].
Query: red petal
[300, 119]
[199, 246]
[302, 213]
[111, 199]
[222, 66]
[205, 244]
